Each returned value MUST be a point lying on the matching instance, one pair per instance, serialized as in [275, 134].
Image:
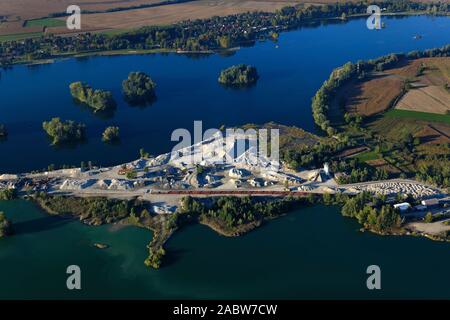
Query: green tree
[428, 217]
[239, 75]
[111, 134]
[66, 131]
[138, 88]
[99, 100]
[5, 226]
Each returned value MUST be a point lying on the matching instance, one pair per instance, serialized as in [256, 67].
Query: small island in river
[239, 76]
[139, 88]
[64, 131]
[98, 100]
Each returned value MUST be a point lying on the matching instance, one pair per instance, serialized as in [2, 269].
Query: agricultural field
[106, 15]
[44, 22]
[428, 92]
[19, 13]
[371, 96]
[430, 89]
[382, 164]
[412, 133]
[20, 36]
[418, 115]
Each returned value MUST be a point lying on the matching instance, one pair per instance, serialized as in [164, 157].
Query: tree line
[202, 35]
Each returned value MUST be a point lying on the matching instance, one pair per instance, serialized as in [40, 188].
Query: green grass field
[425, 116]
[369, 155]
[45, 22]
[20, 36]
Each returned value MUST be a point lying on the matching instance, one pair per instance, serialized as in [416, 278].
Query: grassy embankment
[416, 115]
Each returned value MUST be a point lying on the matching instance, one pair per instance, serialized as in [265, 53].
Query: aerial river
[310, 253]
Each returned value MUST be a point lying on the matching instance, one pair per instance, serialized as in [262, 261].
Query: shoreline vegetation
[228, 216]
[205, 35]
[64, 131]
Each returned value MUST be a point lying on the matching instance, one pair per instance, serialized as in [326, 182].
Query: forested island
[98, 100]
[64, 131]
[138, 88]
[204, 35]
[239, 76]
[111, 134]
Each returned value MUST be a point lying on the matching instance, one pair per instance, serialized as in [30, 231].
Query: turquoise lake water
[310, 253]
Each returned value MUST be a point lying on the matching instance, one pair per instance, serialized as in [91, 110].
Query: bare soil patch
[351, 152]
[382, 164]
[369, 97]
[432, 135]
[433, 99]
[428, 77]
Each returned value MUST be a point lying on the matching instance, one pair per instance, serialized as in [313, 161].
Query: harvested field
[432, 135]
[428, 93]
[32, 9]
[22, 10]
[178, 12]
[373, 96]
[436, 72]
[395, 128]
[432, 99]
[382, 164]
[351, 152]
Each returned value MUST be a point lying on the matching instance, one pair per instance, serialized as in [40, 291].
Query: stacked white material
[163, 209]
[236, 173]
[74, 184]
[255, 183]
[103, 184]
[117, 184]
